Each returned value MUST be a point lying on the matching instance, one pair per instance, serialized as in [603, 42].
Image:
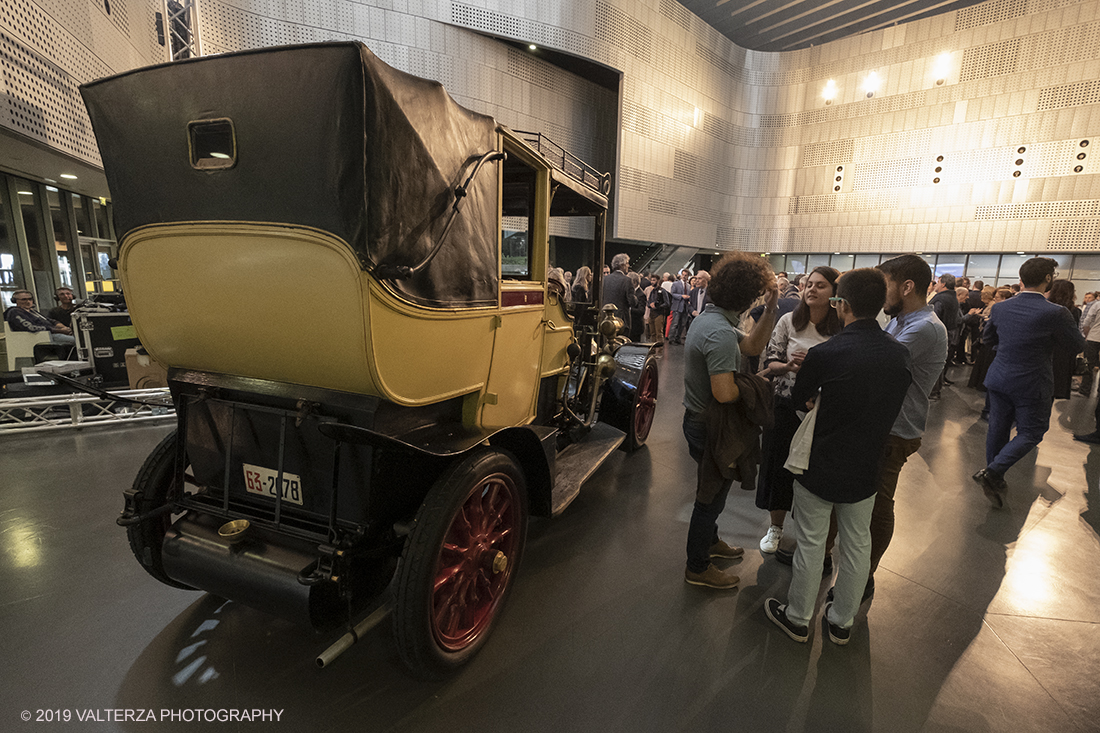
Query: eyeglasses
[834, 300]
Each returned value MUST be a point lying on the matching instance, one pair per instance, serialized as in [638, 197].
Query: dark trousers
[679, 325]
[703, 529]
[1031, 413]
[1092, 357]
[895, 454]
[775, 484]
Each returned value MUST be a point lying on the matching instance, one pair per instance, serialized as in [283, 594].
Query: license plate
[262, 481]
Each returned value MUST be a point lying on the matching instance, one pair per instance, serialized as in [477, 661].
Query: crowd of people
[819, 395]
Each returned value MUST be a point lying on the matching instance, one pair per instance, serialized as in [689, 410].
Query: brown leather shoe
[721, 550]
[712, 577]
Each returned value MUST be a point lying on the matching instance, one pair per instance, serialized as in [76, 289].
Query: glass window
[1086, 268]
[83, 222]
[778, 263]
[953, 264]
[62, 236]
[1085, 286]
[818, 260]
[518, 201]
[867, 260]
[91, 266]
[843, 263]
[1010, 268]
[11, 269]
[40, 249]
[103, 227]
[796, 264]
[983, 267]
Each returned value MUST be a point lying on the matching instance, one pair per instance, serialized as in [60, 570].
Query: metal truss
[55, 412]
[183, 28]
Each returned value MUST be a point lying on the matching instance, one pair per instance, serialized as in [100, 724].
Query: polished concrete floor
[984, 620]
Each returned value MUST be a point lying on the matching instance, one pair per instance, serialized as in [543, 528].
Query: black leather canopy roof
[326, 136]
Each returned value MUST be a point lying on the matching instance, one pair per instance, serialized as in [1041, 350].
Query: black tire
[448, 592]
[644, 405]
[153, 482]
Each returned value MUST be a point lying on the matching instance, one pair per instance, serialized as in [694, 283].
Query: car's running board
[580, 460]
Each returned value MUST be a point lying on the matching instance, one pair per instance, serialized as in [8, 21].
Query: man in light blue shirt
[916, 326]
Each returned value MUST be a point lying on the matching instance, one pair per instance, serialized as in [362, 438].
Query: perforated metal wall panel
[717, 146]
[49, 47]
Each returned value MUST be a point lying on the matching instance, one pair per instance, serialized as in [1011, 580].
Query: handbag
[798, 459]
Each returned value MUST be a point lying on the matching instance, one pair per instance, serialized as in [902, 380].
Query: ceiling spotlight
[829, 93]
[25, 193]
[871, 84]
[532, 47]
[70, 176]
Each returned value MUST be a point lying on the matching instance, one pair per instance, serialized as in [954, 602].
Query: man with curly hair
[712, 358]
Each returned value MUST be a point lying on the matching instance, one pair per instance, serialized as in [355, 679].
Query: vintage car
[370, 400]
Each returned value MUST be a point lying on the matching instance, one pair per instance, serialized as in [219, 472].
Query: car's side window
[516, 220]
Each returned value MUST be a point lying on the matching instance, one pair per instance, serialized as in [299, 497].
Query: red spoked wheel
[459, 562]
[475, 562]
[645, 404]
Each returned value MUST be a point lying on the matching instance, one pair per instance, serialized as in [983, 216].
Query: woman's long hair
[1063, 293]
[830, 325]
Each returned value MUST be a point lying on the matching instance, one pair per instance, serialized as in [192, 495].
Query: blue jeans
[1030, 412]
[703, 529]
[812, 527]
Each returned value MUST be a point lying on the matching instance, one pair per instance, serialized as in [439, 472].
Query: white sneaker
[770, 543]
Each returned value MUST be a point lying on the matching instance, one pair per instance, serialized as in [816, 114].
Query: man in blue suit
[1025, 330]
[681, 308]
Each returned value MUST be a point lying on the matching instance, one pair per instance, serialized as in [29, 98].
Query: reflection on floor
[983, 620]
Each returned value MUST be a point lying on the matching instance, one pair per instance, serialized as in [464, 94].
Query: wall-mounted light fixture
[871, 84]
[941, 67]
[829, 93]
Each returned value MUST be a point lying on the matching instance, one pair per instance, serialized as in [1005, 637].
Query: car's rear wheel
[154, 482]
[459, 562]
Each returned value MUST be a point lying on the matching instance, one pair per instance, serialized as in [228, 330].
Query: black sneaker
[837, 635]
[777, 612]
